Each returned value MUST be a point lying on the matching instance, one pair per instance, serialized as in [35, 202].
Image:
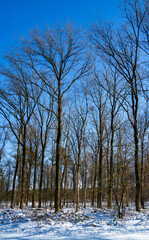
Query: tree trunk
[41, 176]
[74, 185]
[35, 176]
[15, 174]
[61, 185]
[99, 197]
[23, 168]
[110, 183]
[28, 179]
[142, 172]
[85, 183]
[58, 152]
[78, 186]
[94, 183]
[66, 185]
[51, 185]
[19, 182]
[137, 200]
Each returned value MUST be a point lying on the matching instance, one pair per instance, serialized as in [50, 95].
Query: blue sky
[17, 17]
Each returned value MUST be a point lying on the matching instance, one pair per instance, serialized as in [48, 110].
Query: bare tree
[59, 59]
[19, 100]
[121, 49]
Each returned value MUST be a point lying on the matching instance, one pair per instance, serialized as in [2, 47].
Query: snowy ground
[89, 224]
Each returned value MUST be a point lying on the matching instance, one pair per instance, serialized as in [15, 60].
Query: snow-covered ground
[89, 224]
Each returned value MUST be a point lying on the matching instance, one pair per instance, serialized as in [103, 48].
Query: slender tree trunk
[99, 197]
[74, 185]
[23, 168]
[142, 172]
[82, 190]
[58, 151]
[41, 176]
[15, 174]
[64, 193]
[85, 184]
[111, 166]
[51, 185]
[94, 183]
[137, 200]
[28, 179]
[47, 185]
[107, 165]
[66, 186]
[78, 184]
[35, 176]
[61, 185]
[19, 182]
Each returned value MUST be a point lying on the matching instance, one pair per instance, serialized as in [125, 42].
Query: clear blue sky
[17, 17]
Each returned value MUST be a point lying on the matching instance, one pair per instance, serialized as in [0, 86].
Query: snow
[87, 224]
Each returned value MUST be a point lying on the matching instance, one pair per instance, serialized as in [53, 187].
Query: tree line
[74, 109]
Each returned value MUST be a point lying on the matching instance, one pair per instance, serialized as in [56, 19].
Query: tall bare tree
[121, 49]
[19, 100]
[58, 57]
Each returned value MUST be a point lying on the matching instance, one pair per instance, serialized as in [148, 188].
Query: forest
[74, 115]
